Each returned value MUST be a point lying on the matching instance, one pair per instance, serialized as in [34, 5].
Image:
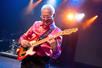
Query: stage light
[31, 6]
[89, 22]
[52, 2]
[79, 17]
[70, 16]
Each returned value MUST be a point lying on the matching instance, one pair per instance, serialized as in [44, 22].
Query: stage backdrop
[89, 46]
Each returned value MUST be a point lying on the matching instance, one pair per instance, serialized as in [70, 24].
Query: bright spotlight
[89, 22]
[79, 17]
[75, 16]
[70, 16]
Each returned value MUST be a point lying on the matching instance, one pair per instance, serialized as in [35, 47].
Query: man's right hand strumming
[24, 43]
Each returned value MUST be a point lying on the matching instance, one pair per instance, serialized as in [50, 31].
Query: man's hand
[51, 41]
[24, 43]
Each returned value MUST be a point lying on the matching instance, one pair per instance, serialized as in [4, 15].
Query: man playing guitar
[38, 31]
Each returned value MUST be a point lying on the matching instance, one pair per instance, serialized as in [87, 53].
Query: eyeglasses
[46, 17]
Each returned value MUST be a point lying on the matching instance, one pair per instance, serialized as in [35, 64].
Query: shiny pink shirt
[35, 31]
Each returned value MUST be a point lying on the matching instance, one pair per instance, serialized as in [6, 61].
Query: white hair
[50, 7]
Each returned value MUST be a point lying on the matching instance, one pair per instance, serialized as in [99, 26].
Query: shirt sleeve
[27, 35]
[59, 38]
[57, 48]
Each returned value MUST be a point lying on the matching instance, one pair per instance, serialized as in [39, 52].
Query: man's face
[46, 16]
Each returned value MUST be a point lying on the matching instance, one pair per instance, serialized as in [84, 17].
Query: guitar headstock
[69, 31]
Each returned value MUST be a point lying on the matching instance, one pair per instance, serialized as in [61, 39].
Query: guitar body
[24, 52]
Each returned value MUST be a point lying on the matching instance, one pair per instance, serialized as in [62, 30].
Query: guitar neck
[64, 32]
[42, 41]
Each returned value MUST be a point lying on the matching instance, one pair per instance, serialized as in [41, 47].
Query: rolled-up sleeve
[26, 35]
[57, 48]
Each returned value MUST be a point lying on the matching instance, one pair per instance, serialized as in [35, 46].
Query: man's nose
[45, 18]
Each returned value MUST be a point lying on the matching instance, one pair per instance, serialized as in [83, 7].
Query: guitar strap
[47, 32]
